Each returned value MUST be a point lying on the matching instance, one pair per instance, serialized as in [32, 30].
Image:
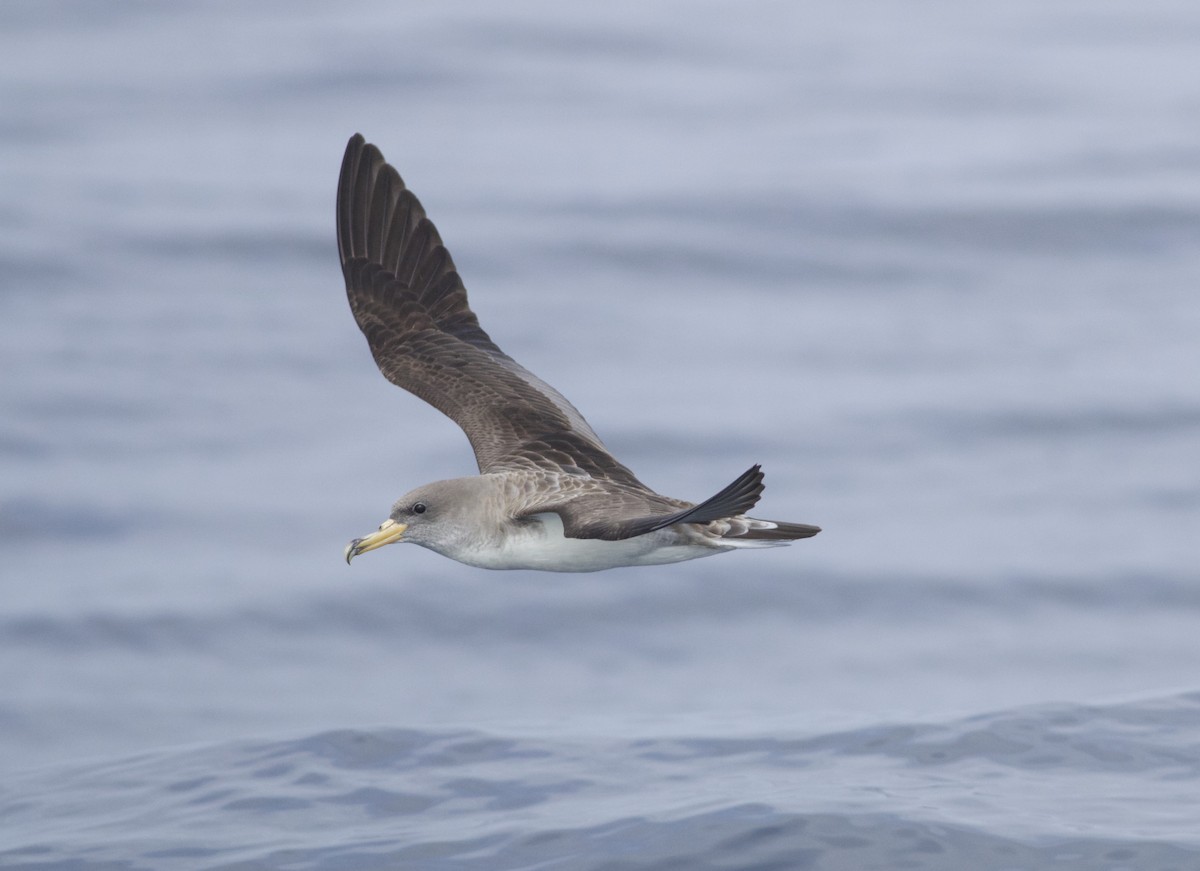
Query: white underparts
[539, 543]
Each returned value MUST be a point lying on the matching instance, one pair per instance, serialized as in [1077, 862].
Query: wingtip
[754, 482]
[737, 498]
[354, 147]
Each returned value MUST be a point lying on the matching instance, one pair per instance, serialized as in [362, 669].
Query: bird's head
[436, 516]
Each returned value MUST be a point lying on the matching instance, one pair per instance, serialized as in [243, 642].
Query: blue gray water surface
[934, 265]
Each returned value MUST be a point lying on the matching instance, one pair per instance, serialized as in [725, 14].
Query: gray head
[442, 516]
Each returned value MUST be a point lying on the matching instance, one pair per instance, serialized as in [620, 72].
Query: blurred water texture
[934, 265]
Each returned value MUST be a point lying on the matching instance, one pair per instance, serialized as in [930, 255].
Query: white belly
[541, 545]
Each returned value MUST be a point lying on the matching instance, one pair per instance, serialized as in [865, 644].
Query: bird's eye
[419, 508]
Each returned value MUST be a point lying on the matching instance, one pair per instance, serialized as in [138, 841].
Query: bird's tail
[774, 531]
[752, 532]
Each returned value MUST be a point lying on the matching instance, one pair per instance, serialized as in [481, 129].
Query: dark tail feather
[781, 532]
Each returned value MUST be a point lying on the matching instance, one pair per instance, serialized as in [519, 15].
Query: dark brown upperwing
[411, 305]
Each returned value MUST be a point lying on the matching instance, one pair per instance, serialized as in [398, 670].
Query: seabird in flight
[548, 495]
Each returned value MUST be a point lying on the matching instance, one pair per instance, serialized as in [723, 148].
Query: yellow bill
[389, 531]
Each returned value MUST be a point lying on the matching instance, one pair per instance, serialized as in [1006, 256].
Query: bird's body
[549, 495]
[493, 521]
[539, 543]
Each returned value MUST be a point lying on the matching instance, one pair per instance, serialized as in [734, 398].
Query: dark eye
[419, 508]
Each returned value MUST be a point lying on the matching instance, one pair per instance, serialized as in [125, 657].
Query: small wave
[1068, 786]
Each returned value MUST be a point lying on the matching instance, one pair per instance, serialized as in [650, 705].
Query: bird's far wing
[411, 305]
[615, 513]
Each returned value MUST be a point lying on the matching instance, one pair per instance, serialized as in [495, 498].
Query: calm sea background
[935, 265]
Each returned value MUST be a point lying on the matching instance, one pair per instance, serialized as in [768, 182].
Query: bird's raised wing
[411, 305]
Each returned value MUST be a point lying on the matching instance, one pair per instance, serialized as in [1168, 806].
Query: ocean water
[934, 265]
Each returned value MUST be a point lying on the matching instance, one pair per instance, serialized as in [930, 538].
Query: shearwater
[548, 495]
